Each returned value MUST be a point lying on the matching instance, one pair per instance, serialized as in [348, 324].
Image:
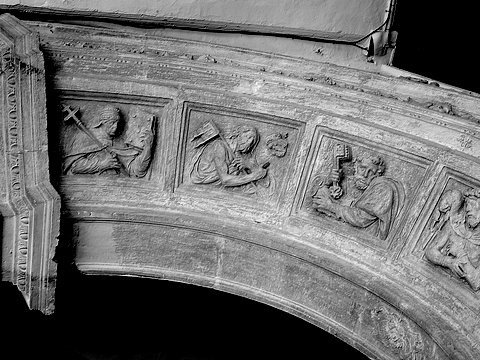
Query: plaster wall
[340, 17]
[317, 30]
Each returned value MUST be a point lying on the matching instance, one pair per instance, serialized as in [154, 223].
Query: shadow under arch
[118, 317]
[303, 280]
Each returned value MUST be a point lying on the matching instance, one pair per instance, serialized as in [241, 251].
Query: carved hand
[334, 177]
[111, 162]
[323, 203]
[457, 267]
[238, 163]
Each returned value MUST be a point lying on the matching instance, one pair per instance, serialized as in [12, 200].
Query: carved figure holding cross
[99, 150]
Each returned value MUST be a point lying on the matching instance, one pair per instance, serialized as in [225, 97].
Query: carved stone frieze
[227, 160]
[361, 184]
[300, 188]
[444, 107]
[29, 205]
[377, 202]
[98, 149]
[104, 138]
[235, 153]
[454, 235]
[15, 163]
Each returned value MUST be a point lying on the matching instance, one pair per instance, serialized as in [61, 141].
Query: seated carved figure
[223, 161]
[98, 150]
[456, 239]
[378, 205]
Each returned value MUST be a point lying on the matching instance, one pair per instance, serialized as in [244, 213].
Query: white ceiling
[347, 19]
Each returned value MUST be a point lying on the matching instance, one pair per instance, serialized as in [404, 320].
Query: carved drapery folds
[374, 199]
[306, 194]
[361, 185]
[454, 235]
[104, 147]
[236, 153]
[29, 204]
[233, 160]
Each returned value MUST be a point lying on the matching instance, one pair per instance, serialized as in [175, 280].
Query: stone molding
[378, 293]
[207, 230]
[30, 206]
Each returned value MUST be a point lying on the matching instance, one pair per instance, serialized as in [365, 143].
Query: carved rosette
[399, 335]
[29, 205]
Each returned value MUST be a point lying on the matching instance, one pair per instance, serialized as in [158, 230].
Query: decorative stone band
[15, 159]
[30, 205]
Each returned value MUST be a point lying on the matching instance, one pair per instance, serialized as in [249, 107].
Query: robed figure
[454, 240]
[226, 161]
[98, 149]
[378, 205]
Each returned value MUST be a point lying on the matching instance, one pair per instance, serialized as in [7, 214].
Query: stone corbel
[29, 205]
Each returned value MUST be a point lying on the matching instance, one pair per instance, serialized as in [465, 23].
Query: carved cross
[70, 114]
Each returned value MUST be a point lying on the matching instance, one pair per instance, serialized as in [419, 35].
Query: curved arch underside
[185, 199]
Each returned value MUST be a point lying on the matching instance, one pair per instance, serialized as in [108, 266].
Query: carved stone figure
[99, 150]
[455, 235]
[224, 160]
[378, 204]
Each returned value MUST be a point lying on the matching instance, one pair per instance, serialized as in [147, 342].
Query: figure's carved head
[472, 207]
[452, 200]
[450, 204]
[246, 138]
[366, 169]
[108, 119]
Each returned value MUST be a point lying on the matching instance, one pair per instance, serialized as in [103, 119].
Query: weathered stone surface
[29, 205]
[242, 154]
[210, 171]
[222, 111]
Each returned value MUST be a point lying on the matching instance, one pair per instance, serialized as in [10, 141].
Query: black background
[439, 40]
[120, 318]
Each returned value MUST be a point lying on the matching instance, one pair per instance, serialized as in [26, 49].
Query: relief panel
[227, 152]
[108, 136]
[359, 187]
[449, 239]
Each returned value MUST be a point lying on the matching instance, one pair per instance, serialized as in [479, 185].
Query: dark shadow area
[438, 39]
[119, 318]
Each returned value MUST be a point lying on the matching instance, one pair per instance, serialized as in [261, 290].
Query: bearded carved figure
[377, 204]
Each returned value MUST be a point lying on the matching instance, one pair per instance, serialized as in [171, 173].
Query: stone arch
[111, 314]
[309, 284]
[182, 191]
